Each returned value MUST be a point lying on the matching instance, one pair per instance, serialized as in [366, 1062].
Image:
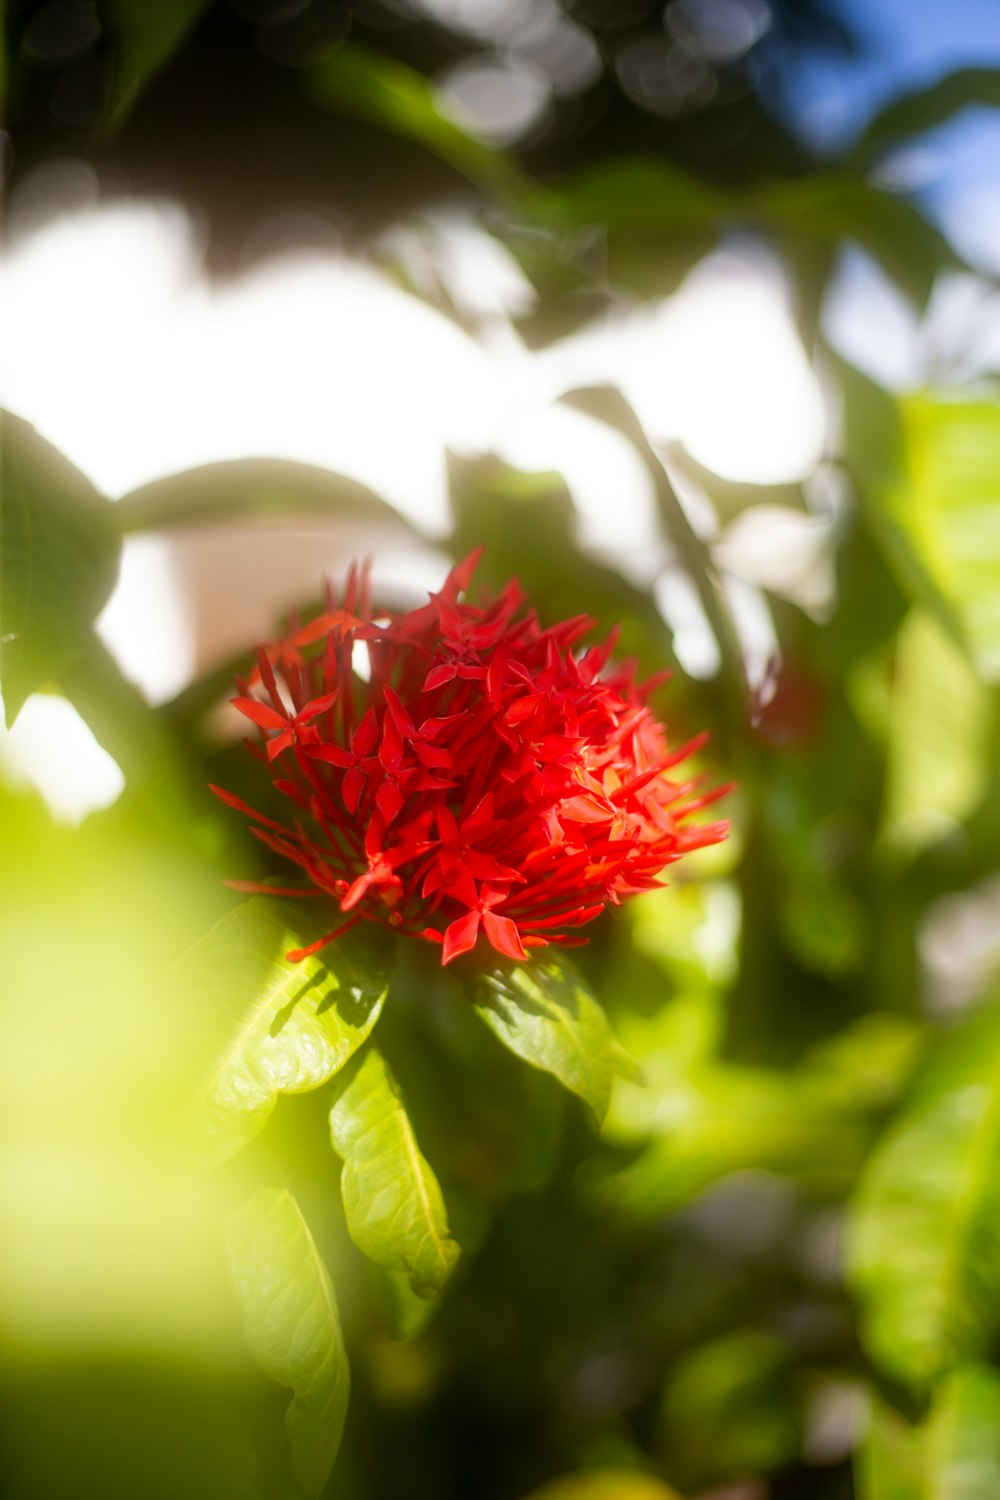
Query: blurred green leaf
[544, 1012]
[877, 459]
[724, 1119]
[939, 736]
[605, 1484]
[923, 109]
[393, 1203]
[952, 509]
[729, 1410]
[953, 1455]
[146, 37]
[655, 221]
[291, 1325]
[924, 1241]
[289, 1027]
[832, 209]
[245, 487]
[59, 552]
[372, 86]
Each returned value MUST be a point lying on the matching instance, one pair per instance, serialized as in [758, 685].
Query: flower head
[487, 778]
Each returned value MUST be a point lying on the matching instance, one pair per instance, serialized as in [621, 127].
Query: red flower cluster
[490, 777]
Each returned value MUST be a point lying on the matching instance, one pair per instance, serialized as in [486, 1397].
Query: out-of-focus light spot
[723, 30]
[51, 749]
[695, 645]
[959, 946]
[666, 77]
[782, 550]
[144, 624]
[722, 369]
[497, 101]
[611, 489]
[566, 54]
[495, 20]
[868, 321]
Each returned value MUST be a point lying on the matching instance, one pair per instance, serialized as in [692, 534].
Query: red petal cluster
[490, 778]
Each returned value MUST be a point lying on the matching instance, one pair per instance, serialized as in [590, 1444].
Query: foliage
[714, 1203]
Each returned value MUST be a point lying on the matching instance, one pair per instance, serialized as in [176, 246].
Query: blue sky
[906, 45]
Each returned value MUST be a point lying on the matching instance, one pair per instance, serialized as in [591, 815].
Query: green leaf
[951, 509]
[877, 458]
[953, 1455]
[239, 488]
[653, 221]
[288, 1027]
[146, 36]
[544, 1012]
[605, 1484]
[59, 552]
[924, 1233]
[371, 86]
[392, 1199]
[832, 209]
[923, 109]
[291, 1325]
[939, 731]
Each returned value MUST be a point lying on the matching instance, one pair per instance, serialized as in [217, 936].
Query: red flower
[490, 778]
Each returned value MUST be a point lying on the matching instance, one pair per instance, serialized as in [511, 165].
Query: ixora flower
[487, 779]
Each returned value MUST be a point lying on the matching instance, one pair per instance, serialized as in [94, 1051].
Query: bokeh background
[688, 314]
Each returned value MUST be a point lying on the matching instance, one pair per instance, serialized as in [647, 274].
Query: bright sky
[123, 354]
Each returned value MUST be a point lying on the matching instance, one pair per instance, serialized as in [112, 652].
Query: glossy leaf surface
[288, 1027]
[393, 1202]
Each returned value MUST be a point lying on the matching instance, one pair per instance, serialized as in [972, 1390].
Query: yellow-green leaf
[288, 1027]
[291, 1325]
[545, 1013]
[392, 1200]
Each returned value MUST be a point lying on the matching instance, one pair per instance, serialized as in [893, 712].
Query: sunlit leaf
[146, 37]
[605, 1484]
[288, 1027]
[383, 91]
[392, 1200]
[291, 1325]
[939, 731]
[240, 488]
[952, 510]
[924, 1241]
[546, 1014]
[923, 109]
[59, 551]
[953, 1455]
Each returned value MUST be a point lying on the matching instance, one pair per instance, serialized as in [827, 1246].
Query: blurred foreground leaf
[605, 1484]
[383, 91]
[939, 731]
[923, 109]
[291, 1325]
[924, 1240]
[835, 208]
[392, 1200]
[953, 510]
[953, 1455]
[59, 551]
[546, 1014]
[146, 36]
[243, 487]
[290, 1027]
